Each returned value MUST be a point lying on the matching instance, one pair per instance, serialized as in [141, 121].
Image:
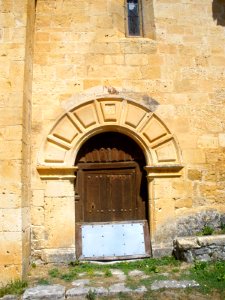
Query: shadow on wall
[218, 10]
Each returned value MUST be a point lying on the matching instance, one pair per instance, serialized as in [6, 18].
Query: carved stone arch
[79, 123]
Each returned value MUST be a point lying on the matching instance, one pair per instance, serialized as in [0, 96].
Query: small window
[140, 20]
[134, 26]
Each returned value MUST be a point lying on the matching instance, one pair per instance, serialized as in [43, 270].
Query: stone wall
[81, 53]
[15, 98]
[202, 248]
[80, 48]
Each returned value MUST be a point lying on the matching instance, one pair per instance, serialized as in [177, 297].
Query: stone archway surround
[78, 124]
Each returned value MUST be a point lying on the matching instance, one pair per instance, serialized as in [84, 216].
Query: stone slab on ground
[10, 297]
[80, 282]
[121, 288]
[173, 284]
[76, 292]
[119, 274]
[45, 292]
[136, 273]
[81, 292]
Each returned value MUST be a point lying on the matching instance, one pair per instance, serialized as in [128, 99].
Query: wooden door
[110, 183]
[109, 192]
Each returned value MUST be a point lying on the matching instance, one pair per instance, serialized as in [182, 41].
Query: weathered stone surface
[83, 291]
[58, 256]
[119, 288]
[190, 225]
[10, 297]
[204, 248]
[79, 291]
[187, 243]
[80, 282]
[217, 240]
[173, 284]
[119, 274]
[45, 292]
[136, 273]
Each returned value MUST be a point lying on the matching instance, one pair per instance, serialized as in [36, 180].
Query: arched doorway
[111, 183]
[111, 186]
[77, 125]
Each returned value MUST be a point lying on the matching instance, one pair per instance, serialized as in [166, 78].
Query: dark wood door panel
[109, 195]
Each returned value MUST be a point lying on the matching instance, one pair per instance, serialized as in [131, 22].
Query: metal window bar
[133, 14]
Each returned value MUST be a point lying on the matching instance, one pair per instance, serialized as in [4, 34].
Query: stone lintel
[164, 171]
[57, 172]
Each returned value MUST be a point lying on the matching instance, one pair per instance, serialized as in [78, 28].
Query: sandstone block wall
[81, 47]
[81, 52]
[16, 36]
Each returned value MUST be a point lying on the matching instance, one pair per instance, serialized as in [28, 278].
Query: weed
[54, 273]
[123, 296]
[149, 265]
[43, 281]
[132, 283]
[206, 230]
[210, 275]
[148, 281]
[69, 276]
[74, 263]
[108, 273]
[91, 295]
[175, 270]
[222, 228]
[200, 265]
[33, 265]
[16, 287]
[90, 272]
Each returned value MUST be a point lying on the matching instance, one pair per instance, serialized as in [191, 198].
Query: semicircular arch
[83, 121]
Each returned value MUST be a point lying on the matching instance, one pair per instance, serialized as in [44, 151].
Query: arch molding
[78, 124]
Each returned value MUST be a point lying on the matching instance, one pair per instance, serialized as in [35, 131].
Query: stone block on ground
[80, 282]
[173, 284]
[81, 292]
[121, 288]
[45, 292]
[10, 297]
[136, 273]
[119, 274]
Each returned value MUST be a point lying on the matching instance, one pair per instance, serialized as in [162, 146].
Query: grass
[16, 287]
[43, 281]
[91, 295]
[148, 266]
[70, 275]
[210, 275]
[208, 230]
[108, 273]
